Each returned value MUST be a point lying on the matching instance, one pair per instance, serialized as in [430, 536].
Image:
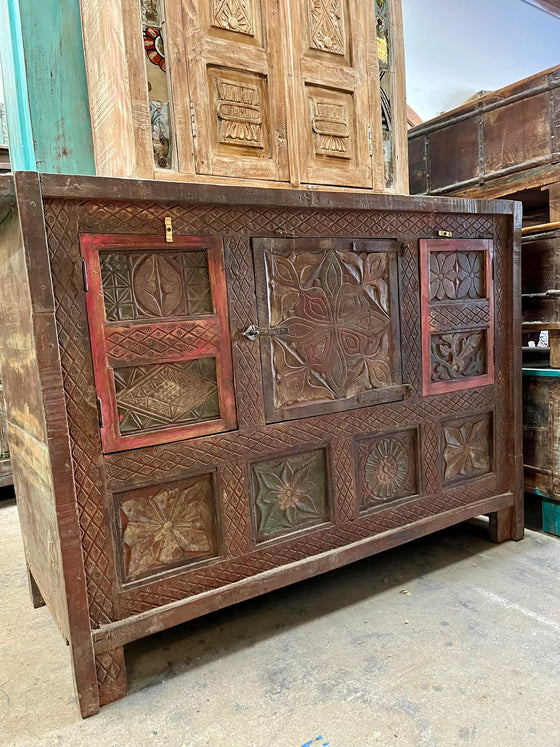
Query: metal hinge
[370, 140]
[84, 276]
[99, 413]
[193, 120]
[253, 332]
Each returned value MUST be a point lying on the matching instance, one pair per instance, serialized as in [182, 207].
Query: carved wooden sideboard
[214, 392]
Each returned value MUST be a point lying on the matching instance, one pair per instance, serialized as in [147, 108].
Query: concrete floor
[450, 640]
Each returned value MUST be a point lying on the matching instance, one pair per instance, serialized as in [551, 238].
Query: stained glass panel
[158, 87]
[384, 53]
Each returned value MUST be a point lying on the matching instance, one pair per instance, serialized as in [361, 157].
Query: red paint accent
[428, 246]
[102, 335]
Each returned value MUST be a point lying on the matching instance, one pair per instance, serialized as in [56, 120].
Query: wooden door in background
[334, 66]
[236, 81]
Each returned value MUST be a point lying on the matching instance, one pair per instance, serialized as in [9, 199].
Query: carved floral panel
[167, 526]
[234, 15]
[467, 447]
[157, 396]
[326, 26]
[456, 275]
[332, 312]
[289, 493]
[458, 354]
[388, 468]
[140, 285]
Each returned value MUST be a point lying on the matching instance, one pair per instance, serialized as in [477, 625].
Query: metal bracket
[168, 230]
[252, 332]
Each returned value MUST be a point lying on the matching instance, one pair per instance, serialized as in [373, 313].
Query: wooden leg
[111, 675]
[36, 596]
[505, 526]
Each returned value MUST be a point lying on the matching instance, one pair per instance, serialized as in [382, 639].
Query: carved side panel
[457, 314]
[467, 448]
[166, 526]
[333, 321]
[289, 493]
[387, 467]
[327, 31]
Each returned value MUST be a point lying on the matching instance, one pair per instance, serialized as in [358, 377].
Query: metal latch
[252, 332]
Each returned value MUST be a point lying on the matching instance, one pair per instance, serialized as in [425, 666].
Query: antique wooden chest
[214, 392]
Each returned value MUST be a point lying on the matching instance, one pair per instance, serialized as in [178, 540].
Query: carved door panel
[329, 316]
[160, 339]
[236, 80]
[457, 314]
[333, 72]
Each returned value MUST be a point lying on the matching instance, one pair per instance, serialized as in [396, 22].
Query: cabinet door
[160, 339]
[457, 314]
[334, 69]
[329, 316]
[237, 88]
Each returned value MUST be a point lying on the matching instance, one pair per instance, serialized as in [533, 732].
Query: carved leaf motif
[467, 448]
[458, 354]
[170, 526]
[290, 493]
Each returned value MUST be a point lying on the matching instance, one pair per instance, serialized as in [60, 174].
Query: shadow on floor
[220, 634]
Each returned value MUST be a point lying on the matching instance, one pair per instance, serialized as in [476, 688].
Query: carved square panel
[387, 468]
[332, 122]
[467, 447]
[140, 285]
[457, 275]
[457, 355]
[167, 526]
[289, 493]
[157, 396]
[331, 306]
[240, 103]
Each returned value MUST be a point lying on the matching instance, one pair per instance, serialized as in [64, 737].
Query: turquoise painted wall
[45, 87]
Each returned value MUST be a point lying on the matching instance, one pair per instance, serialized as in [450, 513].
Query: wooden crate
[500, 144]
[296, 381]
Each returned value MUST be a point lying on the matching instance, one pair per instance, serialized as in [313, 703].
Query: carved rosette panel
[331, 319]
[162, 395]
[239, 111]
[458, 354]
[326, 26]
[456, 275]
[234, 15]
[167, 525]
[387, 468]
[289, 493]
[467, 448]
[331, 125]
[138, 285]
